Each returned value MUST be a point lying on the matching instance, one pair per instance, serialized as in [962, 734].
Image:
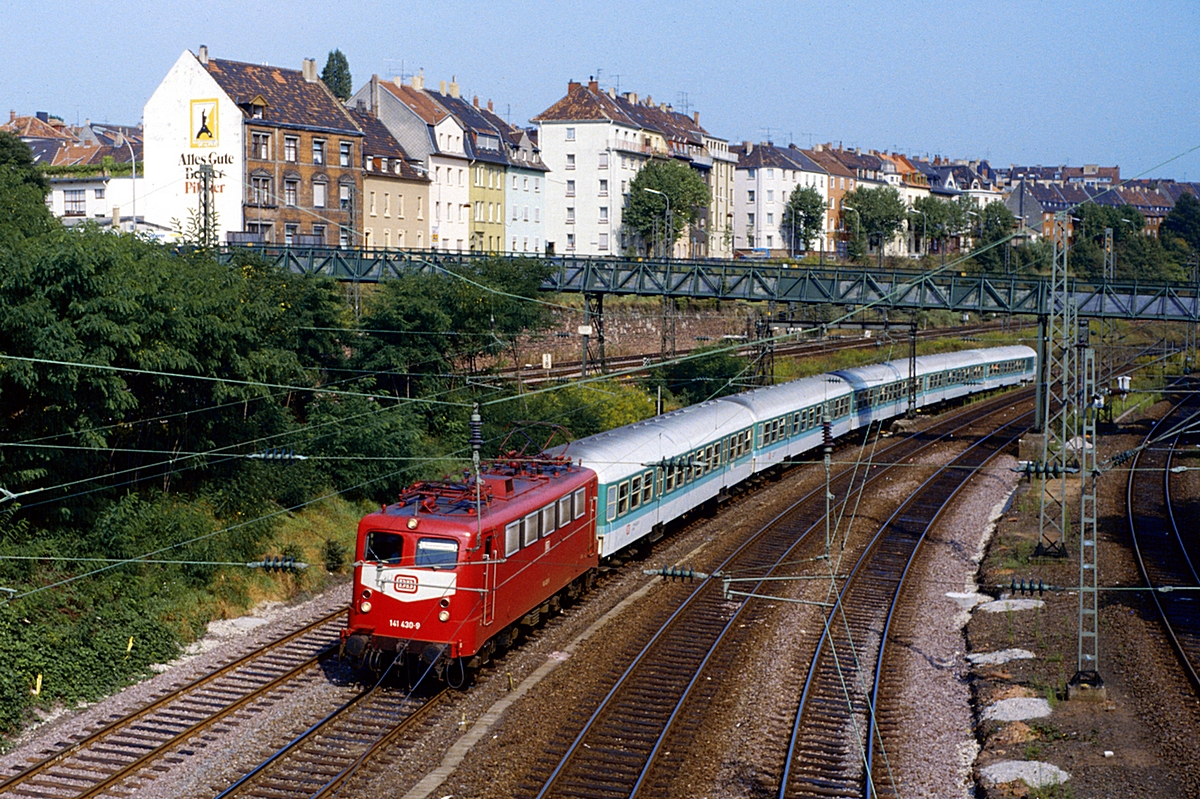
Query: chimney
[649, 100]
[820, 148]
[695, 119]
[475, 101]
[612, 92]
[572, 85]
[442, 87]
[593, 86]
[116, 216]
[631, 97]
[749, 145]
[375, 97]
[203, 54]
[418, 80]
[454, 86]
[43, 116]
[490, 106]
[308, 67]
[858, 151]
[12, 115]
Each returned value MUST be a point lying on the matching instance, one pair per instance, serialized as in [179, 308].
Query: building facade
[765, 178]
[285, 154]
[395, 195]
[437, 143]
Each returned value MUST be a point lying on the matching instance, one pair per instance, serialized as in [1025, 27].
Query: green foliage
[1183, 222]
[706, 375]
[336, 75]
[997, 224]
[803, 216]
[646, 213]
[333, 555]
[1135, 255]
[582, 408]
[881, 213]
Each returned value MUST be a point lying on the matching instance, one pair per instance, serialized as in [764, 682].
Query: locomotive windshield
[383, 547]
[437, 552]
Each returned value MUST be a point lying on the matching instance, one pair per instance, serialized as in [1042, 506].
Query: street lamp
[132, 178]
[924, 227]
[972, 213]
[666, 218]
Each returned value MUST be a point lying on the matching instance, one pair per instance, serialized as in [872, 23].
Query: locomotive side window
[580, 502]
[564, 511]
[531, 527]
[512, 538]
[437, 553]
[383, 547]
[548, 524]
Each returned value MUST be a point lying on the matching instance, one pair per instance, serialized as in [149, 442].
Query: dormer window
[256, 111]
[383, 164]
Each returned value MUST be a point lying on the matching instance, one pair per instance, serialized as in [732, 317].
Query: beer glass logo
[204, 130]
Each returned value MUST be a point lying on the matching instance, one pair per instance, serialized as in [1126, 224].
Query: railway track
[531, 375]
[837, 746]
[1165, 555]
[326, 756]
[104, 760]
[634, 741]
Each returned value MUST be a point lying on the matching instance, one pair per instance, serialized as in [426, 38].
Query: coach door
[489, 581]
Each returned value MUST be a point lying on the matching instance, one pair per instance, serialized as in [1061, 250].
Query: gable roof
[829, 163]
[586, 103]
[766, 154]
[418, 101]
[291, 100]
[378, 142]
[34, 127]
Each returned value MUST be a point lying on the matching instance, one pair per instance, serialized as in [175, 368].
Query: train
[453, 571]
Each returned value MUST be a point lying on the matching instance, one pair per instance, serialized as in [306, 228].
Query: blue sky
[1031, 82]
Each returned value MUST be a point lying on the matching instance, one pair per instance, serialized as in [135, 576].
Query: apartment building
[437, 142]
[284, 152]
[395, 194]
[765, 178]
[595, 142]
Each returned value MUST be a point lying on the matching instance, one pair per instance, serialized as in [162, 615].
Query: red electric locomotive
[452, 571]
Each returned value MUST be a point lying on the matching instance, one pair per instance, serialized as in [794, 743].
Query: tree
[23, 190]
[802, 216]
[935, 224]
[1184, 221]
[336, 75]
[647, 213]
[997, 225]
[881, 212]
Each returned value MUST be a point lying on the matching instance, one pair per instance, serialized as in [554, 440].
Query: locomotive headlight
[365, 607]
[444, 616]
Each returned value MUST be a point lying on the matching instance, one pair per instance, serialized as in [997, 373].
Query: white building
[430, 134]
[190, 122]
[524, 194]
[595, 142]
[765, 178]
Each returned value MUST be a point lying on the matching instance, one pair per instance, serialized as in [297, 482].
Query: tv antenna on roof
[685, 104]
[389, 64]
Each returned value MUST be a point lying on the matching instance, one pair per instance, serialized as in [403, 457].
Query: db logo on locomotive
[406, 584]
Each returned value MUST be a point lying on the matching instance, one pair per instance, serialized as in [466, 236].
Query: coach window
[622, 497]
[612, 503]
[647, 487]
[548, 520]
[531, 528]
[512, 538]
[437, 553]
[383, 547]
[635, 492]
[580, 502]
[564, 511]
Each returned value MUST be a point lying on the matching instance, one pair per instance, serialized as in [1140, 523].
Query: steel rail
[869, 558]
[1157, 549]
[177, 694]
[949, 426]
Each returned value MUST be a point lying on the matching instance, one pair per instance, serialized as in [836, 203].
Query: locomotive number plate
[405, 584]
